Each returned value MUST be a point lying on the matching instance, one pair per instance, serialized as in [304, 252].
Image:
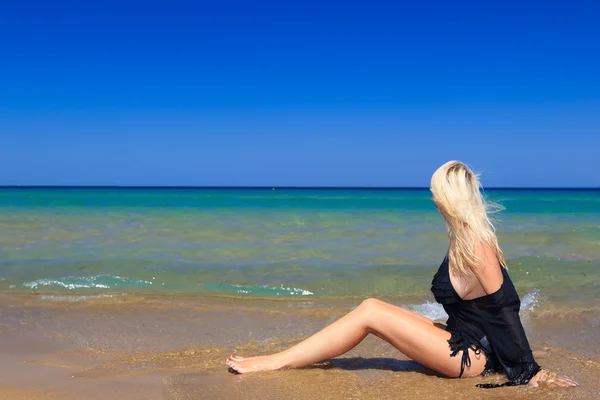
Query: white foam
[93, 282]
[70, 286]
[430, 310]
[435, 311]
[530, 302]
[296, 291]
[76, 298]
[287, 290]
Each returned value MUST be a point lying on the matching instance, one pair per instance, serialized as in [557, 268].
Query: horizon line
[216, 187]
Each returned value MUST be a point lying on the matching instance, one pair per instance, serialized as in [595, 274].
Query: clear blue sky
[298, 93]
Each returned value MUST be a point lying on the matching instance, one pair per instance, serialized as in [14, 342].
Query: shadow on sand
[386, 364]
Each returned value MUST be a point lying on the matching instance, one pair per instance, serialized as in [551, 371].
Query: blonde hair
[457, 195]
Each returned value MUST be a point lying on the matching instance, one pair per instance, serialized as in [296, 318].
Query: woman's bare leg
[417, 337]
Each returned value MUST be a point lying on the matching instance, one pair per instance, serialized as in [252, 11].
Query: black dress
[488, 324]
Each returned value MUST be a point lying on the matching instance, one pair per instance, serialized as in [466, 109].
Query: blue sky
[298, 94]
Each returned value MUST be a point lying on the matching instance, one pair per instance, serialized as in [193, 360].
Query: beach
[143, 293]
[141, 347]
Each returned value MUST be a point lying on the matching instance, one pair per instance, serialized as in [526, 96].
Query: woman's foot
[243, 365]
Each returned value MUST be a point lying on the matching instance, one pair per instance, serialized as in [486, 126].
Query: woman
[483, 332]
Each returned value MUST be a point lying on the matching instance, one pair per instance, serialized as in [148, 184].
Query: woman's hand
[551, 379]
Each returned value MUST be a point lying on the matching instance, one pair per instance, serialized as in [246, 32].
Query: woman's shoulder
[488, 273]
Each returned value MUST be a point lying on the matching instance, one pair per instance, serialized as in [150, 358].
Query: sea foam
[435, 311]
[76, 298]
[260, 290]
[86, 282]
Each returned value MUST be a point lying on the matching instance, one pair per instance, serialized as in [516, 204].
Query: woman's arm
[489, 271]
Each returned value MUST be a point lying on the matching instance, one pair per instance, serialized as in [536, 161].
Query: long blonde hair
[457, 195]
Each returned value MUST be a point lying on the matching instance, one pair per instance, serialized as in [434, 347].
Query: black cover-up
[490, 324]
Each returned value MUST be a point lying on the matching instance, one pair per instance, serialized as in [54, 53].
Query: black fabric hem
[458, 343]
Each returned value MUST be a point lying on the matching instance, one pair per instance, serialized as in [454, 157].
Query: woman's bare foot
[243, 365]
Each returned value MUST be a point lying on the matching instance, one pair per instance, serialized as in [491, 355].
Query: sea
[290, 243]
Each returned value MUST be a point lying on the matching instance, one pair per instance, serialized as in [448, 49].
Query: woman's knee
[368, 312]
[370, 304]
[376, 311]
[371, 308]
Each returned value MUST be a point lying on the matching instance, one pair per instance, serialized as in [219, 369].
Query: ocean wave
[259, 290]
[83, 282]
[435, 311]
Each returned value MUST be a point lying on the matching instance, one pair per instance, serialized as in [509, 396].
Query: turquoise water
[307, 243]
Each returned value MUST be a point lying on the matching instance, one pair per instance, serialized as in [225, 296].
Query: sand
[174, 347]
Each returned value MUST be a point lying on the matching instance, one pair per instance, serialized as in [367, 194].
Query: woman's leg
[417, 337]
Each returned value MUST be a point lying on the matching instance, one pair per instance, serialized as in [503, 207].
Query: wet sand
[174, 347]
